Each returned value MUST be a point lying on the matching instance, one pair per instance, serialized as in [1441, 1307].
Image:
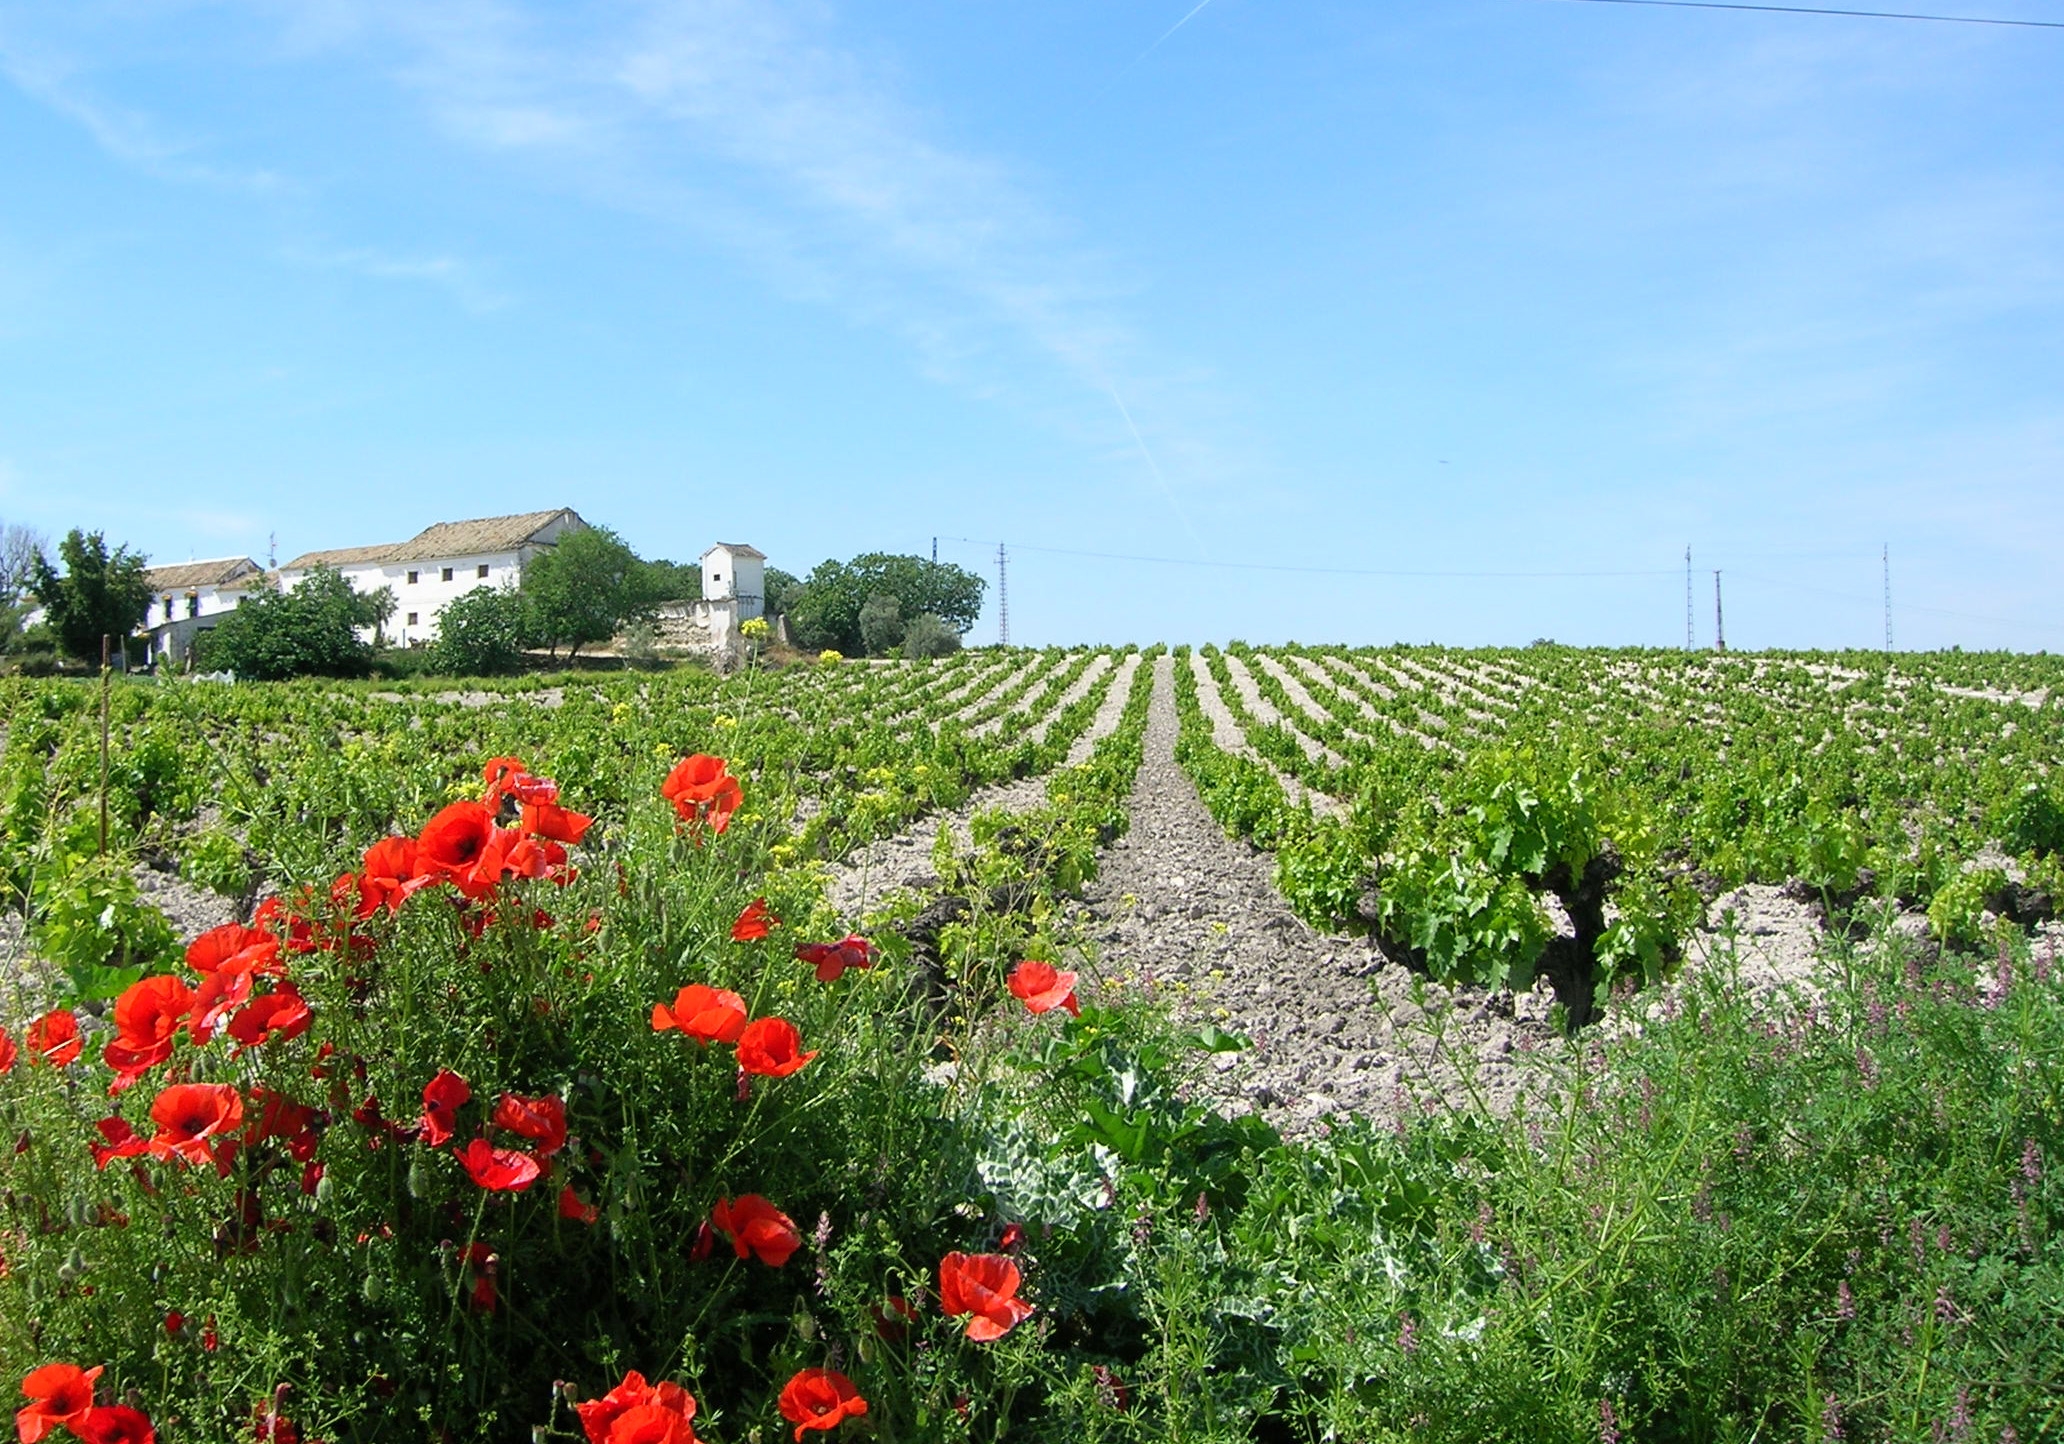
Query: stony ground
[1193, 917]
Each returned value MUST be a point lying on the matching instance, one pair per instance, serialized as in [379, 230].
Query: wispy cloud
[48, 75]
[752, 124]
[748, 123]
[460, 278]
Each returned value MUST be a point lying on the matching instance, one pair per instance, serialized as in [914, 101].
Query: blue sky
[1511, 287]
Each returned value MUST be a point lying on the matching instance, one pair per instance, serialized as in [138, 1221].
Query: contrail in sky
[1154, 466]
[1173, 28]
[1127, 67]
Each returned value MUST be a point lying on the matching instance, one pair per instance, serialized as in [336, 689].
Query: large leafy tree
[101, 594]
[311, 631]
[585, 588]
[825, 611]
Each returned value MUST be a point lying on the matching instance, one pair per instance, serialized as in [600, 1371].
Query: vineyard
[1235, 1043]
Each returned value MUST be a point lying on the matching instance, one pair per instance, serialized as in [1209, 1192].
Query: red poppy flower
[254, 948]
[1042, 987]
[756, 1227]
[274, 1115]
[115, 1424]
[122, 1142]
[221, 993]
[148, 1016]
[599, 1416]
[276, 1017]
[541, 1120]
[455, 839]
[713, 1015]
[501, 1170]
[819, 1399]
[548, 819]
[986, 1286]
[392, 873]
[573, 1206]
[702, 791]
[754, 923]
[188, 1115]
[54, 1038]
[59, 1396]
[442, 1096]
[6, 1053]
[832, 959]
[771, 1047]
[651, 1424]
[508, 777]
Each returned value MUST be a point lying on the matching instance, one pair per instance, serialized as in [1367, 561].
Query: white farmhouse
[441, 563]
[192, 597]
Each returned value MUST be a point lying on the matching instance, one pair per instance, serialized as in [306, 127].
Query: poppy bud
[418, 1178]
[806, 1326]
[76, 1213]
[373, 1289]
[74, 1266]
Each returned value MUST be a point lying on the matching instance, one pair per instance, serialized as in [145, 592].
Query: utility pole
[272, 551]
[935, 551]
[1002, 596]
[1888, 596]
[1719, 622]
[1687, 599]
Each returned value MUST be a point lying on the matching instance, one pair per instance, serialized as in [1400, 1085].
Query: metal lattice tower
[1687, 600]
[1719, 622]
[1002, 596]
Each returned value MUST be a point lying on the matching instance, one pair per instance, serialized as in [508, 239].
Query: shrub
[310, 631]
[483, 633]
[928, 636]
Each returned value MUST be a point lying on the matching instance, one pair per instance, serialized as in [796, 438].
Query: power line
[1310, 571]
[1819, 10]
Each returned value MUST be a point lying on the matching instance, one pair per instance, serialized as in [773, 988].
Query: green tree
[778, 588]
[483, 633]
[665, 581]
[101, 593]
[825, 612]
[585, 588]
[881, 624]
[311, 631]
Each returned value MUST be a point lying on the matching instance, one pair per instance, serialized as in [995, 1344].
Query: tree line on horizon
[589, 588]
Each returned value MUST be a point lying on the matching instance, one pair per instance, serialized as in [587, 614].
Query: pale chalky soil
[1183, 909]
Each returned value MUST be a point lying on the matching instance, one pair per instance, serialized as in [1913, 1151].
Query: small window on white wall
[482, 570]
[412, 619]
[446, 576]
[411, 578]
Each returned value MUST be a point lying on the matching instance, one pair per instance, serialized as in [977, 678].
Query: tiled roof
[344, 556]
[739, 549]
[179, 576]
[479, 538]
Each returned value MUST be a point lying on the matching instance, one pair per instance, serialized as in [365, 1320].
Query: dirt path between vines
[1183, 910]
[905, 859]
